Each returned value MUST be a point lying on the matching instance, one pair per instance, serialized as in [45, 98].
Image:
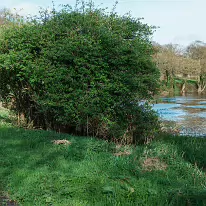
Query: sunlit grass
[34, 171]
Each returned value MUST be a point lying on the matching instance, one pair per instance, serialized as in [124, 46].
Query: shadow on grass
[32, 164]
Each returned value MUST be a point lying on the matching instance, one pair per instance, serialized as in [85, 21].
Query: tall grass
[34, 171]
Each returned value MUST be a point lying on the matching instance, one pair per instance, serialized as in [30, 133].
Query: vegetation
[181, 67]
[81, 70]
[197, 51]
[85, 71]
[34, 171]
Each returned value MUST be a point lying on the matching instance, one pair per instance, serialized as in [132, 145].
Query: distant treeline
[182, 66]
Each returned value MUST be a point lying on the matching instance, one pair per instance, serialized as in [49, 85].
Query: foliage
[83, 70]
[9, 18]
[174, 65]
[197, 51]
[144, 125]
[5, 16]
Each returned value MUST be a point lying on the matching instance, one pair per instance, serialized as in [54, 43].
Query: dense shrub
[82, 70]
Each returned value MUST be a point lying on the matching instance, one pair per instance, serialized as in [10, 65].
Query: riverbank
[36, 170]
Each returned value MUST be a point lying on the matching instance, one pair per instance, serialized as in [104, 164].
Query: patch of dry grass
[154, 163]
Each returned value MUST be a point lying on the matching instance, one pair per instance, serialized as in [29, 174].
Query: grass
[34, 171]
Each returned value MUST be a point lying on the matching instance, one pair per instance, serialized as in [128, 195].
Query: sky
[179, 21]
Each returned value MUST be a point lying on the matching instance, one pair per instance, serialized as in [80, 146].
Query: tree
[174, 48]
[175, 66]
[82, 69]
[197, 51]
[8, 17]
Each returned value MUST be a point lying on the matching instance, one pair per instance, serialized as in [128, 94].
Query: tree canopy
[178, 65]
[83, 69]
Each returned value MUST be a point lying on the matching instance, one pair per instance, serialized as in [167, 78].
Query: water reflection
[189, 113]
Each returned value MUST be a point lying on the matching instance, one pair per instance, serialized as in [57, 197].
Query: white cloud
[26, 8]
[187, 39]
[180, 21]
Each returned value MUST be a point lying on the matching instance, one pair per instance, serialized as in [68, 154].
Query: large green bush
[83, 70]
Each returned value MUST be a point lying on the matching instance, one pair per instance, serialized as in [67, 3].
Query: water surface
[188, 112]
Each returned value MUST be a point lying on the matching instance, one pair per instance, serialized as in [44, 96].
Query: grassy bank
[35, 171]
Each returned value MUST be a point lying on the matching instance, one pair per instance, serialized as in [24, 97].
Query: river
[187, 112]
